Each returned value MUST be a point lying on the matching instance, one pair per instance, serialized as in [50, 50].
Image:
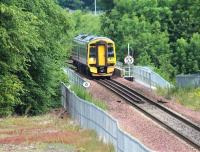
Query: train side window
[110, 52]
[92, 52]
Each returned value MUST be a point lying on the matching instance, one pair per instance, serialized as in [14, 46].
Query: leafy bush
[34, 43]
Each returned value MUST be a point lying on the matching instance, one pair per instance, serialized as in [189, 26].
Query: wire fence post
[150, 79]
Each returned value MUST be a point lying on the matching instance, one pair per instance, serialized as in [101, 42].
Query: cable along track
[179, 125]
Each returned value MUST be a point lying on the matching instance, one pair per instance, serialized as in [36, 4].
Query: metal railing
[149, 77]
[189, 80]
[73, 77]
[91, 117]
[145, 75]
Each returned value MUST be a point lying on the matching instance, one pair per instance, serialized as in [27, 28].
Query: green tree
[160, 32]
[193, 64]
[186, 56]
[140, 23]
[185, 19]
[180, 55]
[86, 23]
[36, 38]
[15, 44]
[105, 4]
[72, 4]
[79, 4]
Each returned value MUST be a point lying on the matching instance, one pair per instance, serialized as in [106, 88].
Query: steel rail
[169, 111]
[130, 95]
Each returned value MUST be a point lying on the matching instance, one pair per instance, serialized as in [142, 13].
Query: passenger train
[94, 55]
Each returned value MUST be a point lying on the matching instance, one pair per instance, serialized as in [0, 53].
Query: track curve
[174, 122]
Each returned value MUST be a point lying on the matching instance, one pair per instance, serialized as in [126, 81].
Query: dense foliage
[34, 40]
[77, 4]
[36, 36]
[86, 5]
[162, 34]
[86, 23]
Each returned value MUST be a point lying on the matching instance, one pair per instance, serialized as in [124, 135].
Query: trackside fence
[145, 75]
[149, 77]
[73, 77]
[91, 117]
[189, 80]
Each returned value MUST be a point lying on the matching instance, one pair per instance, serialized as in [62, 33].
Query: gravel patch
[137, 124]
[36, 148]
[188, 113]
[17, 148]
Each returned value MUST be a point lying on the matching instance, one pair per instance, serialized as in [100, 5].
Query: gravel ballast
[136, 123]
[190, 114]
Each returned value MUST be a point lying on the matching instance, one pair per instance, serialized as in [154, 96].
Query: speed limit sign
[128, 60]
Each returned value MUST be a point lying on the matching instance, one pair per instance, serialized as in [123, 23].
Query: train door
[101, 55]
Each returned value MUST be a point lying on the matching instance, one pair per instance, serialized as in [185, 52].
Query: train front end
[101, 57]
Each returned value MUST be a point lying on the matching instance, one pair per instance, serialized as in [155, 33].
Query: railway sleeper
[122, 92]
[125, 89]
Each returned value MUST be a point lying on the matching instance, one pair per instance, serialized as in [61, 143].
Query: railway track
[174, 122]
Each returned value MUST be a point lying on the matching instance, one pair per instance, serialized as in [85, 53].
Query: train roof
[84, 38]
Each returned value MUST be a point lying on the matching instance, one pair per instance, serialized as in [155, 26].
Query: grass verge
[47, 133]
[84, 94]
[189, 97]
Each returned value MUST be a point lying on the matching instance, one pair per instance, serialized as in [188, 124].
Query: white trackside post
[129, 68]
[129, 60]
[95, 7]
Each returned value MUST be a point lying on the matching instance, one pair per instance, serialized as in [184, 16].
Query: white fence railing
[145, 75]
[189, 80]
[73, 77]
[151, 78]
[91, 117]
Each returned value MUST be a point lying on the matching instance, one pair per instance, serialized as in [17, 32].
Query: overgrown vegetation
[86, 23]
[34, 41]
[48, 133]
[85, 5]
[85, 95]
[188, 97]
[162, 34]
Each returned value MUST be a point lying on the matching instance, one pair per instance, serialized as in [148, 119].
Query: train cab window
[110, 51]
[92, 52]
